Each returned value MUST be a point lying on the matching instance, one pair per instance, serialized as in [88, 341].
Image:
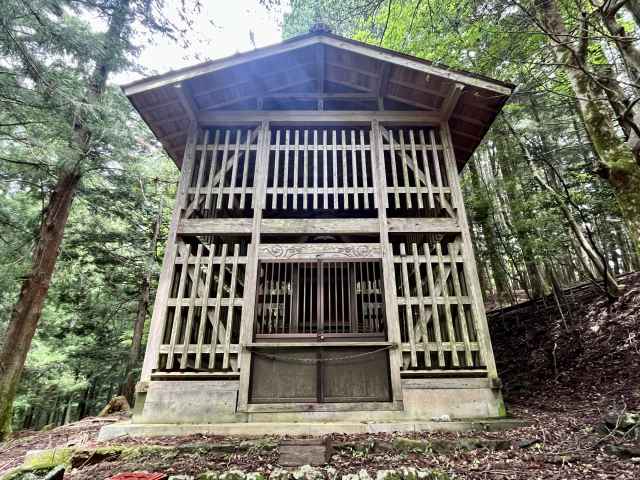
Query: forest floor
[566, 373]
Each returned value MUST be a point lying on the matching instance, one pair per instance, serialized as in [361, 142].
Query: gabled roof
[319, 70]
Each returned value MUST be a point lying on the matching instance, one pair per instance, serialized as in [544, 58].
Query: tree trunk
[617, 161]
[27, 310]
[128, 388]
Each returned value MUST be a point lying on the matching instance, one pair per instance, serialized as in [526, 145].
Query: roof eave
[354, 46]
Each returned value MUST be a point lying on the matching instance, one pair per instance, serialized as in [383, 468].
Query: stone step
[258, 429]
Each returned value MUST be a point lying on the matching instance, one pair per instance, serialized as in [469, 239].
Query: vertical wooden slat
[304, 298]
[277, 308]
[363, 163]
[204, 313]
[405, 171]
[201, 168]
[285, 183]
[454, 249]
[195, 281]
[416, 169]
[427, 169]
[223, 169]
[345, 183]
[394, 170]
[305, 159]
[435, 314]
[354, 170]
[212, 171]
[217, 308]
[276, 171]
[245, 169]
[234, 169]
[230, 309]
[325, 180]
[251, 270]
[374, 177]
[436, 165]
[421, 309]
[315, 169]
[296, 157]
[334, 158]
[406, 291]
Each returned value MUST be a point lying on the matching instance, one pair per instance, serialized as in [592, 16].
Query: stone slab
[256, 429]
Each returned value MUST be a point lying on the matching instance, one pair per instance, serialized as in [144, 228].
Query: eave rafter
[450, 102]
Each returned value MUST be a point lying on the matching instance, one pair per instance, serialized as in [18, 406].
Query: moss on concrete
[409, 445]
[41, 459]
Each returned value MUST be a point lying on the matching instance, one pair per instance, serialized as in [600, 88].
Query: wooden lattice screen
[320, 169]
[222, 181]
[416, 174]
[437, 323]
[202, 322]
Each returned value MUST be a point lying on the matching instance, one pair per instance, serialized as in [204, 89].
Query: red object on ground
[139, 476]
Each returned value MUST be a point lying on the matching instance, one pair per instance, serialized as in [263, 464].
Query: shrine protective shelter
[319, 264]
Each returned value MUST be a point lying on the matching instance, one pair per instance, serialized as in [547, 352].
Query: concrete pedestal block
[197, 401]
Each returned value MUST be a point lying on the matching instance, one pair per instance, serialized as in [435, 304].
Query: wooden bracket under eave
[187, 102]
[450, 102]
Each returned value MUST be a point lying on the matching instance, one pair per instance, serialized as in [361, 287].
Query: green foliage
[49, 50]
[518, 228]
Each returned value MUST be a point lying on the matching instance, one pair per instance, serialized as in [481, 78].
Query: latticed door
[323, 299]
[329, 302]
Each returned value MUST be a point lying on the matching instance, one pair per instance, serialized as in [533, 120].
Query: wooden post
[248, 312]
[164, 284]
[468, 256]
[391, 308]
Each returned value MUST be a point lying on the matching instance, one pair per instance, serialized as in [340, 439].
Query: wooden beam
[231, 117]
[450, 102]
[383, 84]
[329, 226]
[256, 80]
[321, 59]
[186, 101]
[324, 96]
[414, 63]
[426, 225]
[202, 226]
[314, 251]
[413, 103]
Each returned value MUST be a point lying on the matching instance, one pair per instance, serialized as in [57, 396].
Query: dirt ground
[576, 369]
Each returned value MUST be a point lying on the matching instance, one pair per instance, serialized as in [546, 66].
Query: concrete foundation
[182, 406]
[257, 429]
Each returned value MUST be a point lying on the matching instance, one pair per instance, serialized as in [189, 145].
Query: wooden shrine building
[319, 263]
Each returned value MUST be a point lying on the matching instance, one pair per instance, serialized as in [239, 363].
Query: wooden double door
[306, 310]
